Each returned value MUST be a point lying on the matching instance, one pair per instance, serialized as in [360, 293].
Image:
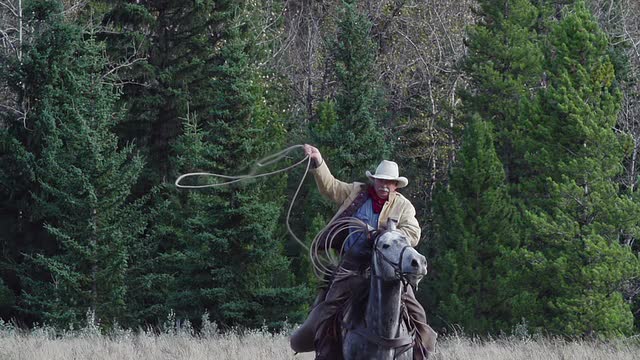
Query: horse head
[395, 259]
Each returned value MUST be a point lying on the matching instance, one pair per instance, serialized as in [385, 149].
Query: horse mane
[321, 252]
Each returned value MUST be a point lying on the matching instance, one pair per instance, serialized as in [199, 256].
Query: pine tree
[175, 41]
[82, 178]
[226, 251]
[349, 130]
[555, 137]
[505, 70]
[7, 299]
[178, 43]
[577, 263]
[476, 224]
[505, 67]
[19, 233]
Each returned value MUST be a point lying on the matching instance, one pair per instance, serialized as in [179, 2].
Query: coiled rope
[324, 260]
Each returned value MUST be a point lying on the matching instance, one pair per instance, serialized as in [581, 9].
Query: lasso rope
[322, 268]
[268, 160]
[324, 260]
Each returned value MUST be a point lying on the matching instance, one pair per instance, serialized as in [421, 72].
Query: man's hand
[313, 153]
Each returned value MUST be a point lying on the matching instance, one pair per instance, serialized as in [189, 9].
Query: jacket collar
[392, 196]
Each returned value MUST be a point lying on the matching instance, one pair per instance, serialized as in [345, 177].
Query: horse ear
[391, 224]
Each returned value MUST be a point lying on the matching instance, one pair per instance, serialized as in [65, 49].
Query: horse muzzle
[414, 266]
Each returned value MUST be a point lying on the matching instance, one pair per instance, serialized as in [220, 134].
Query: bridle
[397, 266]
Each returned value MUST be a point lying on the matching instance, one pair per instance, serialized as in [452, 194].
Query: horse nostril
[414, 263]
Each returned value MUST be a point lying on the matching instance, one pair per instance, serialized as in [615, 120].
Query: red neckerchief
[378, 202]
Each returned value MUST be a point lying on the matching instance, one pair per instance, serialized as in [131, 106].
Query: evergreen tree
[349, 129]
[20, 231]
[20, 234]
[175, 41]
[505, 67]
[577, 264]
[178, 43]
[555, 137]
[82, 178]
[477, 228]
[7, 299]
[224, 245]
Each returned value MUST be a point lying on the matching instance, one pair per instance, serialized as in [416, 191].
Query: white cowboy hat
[388, 170]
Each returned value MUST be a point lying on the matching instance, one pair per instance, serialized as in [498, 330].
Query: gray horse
[394, 265]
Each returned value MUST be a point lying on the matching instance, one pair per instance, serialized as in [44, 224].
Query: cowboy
[374, 204]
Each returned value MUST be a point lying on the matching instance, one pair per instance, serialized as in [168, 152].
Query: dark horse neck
[383, 307]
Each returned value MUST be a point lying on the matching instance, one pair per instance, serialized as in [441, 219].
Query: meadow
[49, 344]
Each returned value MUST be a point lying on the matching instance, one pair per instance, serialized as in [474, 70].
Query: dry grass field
[47, 344]
[256, 345]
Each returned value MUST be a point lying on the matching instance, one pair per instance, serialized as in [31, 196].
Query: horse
[384, 334]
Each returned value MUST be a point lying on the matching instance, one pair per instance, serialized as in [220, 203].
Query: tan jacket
[397, 206]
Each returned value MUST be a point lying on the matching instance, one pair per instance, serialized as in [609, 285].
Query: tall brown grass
[49, 344]
[147, 346]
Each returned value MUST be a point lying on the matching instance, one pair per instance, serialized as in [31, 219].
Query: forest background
[516, 122]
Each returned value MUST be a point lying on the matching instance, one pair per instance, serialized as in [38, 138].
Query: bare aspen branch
[6, 39]
[22, 115]
[128, 63]
[127, 82]
[79, 5]
[10, 7]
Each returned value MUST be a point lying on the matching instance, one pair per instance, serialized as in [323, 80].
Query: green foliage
[349, 129]
[6, 296]
[175, 46]
[81, 181]
[505, 63]
[577, 228]
[220, 248]
[477, 227]
[554, 121]
[17, 235]
[42, 10]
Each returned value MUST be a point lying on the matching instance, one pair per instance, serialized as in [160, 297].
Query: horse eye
[385, 246]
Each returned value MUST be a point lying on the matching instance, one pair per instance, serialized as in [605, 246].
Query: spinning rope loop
[266, 161]
[321, 269]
